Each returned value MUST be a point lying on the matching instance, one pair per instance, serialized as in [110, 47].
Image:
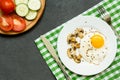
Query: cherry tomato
[19, 23]
[6, 23]
[7, 6]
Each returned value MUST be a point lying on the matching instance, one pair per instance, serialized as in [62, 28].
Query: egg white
[89, 53]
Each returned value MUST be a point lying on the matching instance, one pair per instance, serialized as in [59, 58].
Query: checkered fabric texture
[112, 72]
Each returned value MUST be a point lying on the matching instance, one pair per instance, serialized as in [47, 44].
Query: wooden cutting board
[30, 24]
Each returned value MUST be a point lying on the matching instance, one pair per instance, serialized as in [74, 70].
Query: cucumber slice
[34, 4]
[22, 9]
[21, 1]
[31, 15]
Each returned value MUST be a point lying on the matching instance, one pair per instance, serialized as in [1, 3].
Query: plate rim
[72, 21]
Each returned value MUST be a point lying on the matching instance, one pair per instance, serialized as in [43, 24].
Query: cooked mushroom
[75, 59]
[79, 57]
[79, 30]
[80, 35]
[71, 38]
[69, 52]
[72, 41]
[75, 45]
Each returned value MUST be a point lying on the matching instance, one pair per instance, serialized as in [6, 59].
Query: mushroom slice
[71, 38]
[75, 59]
[78, 30]
[79, 57]
[69, 50]
[80, 35]
[75, 45]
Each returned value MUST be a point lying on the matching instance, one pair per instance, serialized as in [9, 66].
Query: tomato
[19, 23]
[7, 6]
[0, 19]
[6, 23]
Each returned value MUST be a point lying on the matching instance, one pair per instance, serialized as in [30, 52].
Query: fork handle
[117, 35]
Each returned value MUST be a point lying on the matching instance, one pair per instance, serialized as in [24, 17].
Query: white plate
[85, 68]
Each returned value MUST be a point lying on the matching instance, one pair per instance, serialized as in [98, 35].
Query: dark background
[19, 56]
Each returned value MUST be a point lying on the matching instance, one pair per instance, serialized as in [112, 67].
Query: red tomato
[7, 6]
[0, 19]
[6, 23]
[19, 23]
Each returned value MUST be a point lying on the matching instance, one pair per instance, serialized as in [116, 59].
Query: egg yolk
[97, 41]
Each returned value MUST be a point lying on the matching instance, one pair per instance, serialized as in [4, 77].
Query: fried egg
[93, 46]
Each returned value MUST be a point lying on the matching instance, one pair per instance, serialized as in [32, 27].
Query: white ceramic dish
[86, 68]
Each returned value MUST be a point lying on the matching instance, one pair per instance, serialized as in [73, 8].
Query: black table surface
[19, 56]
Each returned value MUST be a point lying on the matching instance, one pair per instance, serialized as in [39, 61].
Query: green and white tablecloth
[111, 73]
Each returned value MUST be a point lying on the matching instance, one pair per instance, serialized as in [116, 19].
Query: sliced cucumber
[21, 1]
[22, 9]
[31, 15]
[34, 4]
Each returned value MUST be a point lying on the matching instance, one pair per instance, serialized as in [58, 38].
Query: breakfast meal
[88, 44]
[15, 15]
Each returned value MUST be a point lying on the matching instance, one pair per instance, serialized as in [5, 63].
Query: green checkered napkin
[111, 73]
